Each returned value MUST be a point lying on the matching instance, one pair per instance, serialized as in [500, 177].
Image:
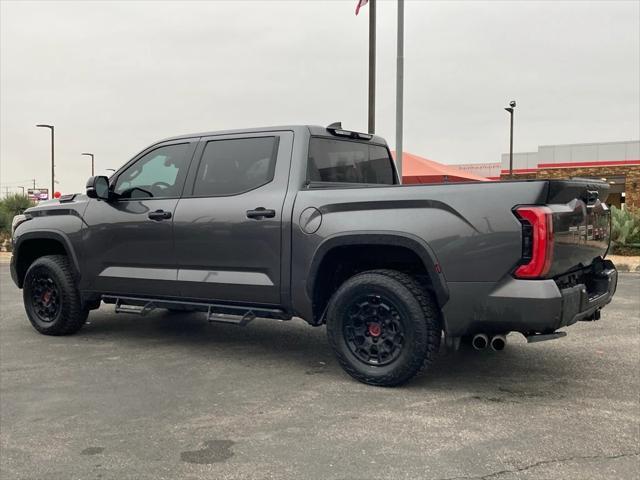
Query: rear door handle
[159, 215]
[261, 212]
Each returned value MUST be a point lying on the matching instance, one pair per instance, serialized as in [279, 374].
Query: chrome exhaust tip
[480, 341]
[498, 342]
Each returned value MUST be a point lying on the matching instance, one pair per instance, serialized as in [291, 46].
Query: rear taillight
[537, 241]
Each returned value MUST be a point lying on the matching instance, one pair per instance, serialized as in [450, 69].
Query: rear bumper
[528, 306]
[581, 301]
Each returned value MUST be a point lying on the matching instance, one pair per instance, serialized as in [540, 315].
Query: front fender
[48, 234]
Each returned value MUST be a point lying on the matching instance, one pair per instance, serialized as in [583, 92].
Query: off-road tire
[69, 316]
[420, 319]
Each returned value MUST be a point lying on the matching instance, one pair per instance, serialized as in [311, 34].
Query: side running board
[230, 314]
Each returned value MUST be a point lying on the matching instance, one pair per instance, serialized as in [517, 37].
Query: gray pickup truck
[311, 222]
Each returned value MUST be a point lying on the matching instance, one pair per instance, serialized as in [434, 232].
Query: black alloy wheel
[45, 296]
[374, 330]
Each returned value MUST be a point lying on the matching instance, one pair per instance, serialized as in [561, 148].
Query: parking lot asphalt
[169, 396]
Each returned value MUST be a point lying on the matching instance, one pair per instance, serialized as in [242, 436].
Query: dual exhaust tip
[481, 341]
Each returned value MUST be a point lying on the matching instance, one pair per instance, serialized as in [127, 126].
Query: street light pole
[510, 109]
[372, 67]
[92, 164]
[399, 87]
[50, 127]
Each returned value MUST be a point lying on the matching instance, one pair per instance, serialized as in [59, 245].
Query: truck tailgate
[581, 223]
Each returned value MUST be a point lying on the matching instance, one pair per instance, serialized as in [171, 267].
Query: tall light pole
[53, 174]
[371, 127]
[372, 67]
[510, 109]
[399, 87]
[92, 164]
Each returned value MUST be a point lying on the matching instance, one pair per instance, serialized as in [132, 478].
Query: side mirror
[98, 187]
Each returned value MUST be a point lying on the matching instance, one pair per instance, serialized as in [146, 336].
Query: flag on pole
[361, 3]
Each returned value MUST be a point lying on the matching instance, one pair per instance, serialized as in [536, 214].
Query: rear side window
[229, 167]
[349, 162]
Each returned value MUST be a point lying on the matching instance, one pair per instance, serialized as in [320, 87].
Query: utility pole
[510, 109]
[372, 66]
[34, 183]
[50, 127]
[399, 87]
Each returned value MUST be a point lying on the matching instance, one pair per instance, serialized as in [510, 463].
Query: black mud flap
[543, 337]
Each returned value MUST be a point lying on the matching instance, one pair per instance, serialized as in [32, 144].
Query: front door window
[158, 174]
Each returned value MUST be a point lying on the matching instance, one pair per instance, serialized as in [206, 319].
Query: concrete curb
[625, 264]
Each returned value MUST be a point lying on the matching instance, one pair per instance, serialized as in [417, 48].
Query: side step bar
[135, 309]
[231, 314]
[240, 320]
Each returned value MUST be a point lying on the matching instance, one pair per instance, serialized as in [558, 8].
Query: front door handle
[261, 212]
[159, 215]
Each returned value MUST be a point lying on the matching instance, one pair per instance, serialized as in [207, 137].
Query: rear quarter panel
[469, 228]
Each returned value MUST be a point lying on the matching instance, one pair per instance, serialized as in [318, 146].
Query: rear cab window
[347, 161]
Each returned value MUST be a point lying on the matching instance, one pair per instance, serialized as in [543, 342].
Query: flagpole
[399, 87]
[372, 66]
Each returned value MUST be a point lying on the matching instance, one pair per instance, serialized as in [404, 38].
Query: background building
[487, 170]
[615, 162]
[416, 169]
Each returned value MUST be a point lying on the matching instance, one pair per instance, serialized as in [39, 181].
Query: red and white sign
[38, 194]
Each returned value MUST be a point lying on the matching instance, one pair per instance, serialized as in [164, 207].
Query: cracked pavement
[169, 396]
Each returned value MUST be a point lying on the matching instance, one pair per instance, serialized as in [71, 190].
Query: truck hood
[75, 201]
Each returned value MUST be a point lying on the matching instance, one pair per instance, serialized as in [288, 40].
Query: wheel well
[343, 262]
[30, 250]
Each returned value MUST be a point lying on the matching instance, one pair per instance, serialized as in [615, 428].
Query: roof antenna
[335, 126]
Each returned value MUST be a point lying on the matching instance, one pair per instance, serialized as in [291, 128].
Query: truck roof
[311, 129]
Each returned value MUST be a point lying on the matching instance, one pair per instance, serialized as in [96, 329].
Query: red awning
[417, 169]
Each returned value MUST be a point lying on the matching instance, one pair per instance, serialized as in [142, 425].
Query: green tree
[11, 206]
[5, 222]
[16, 204]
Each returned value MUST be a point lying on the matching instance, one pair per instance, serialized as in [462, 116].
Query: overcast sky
[114, 77]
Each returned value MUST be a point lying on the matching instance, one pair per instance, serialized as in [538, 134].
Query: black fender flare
[402, 239]
[56, 235]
